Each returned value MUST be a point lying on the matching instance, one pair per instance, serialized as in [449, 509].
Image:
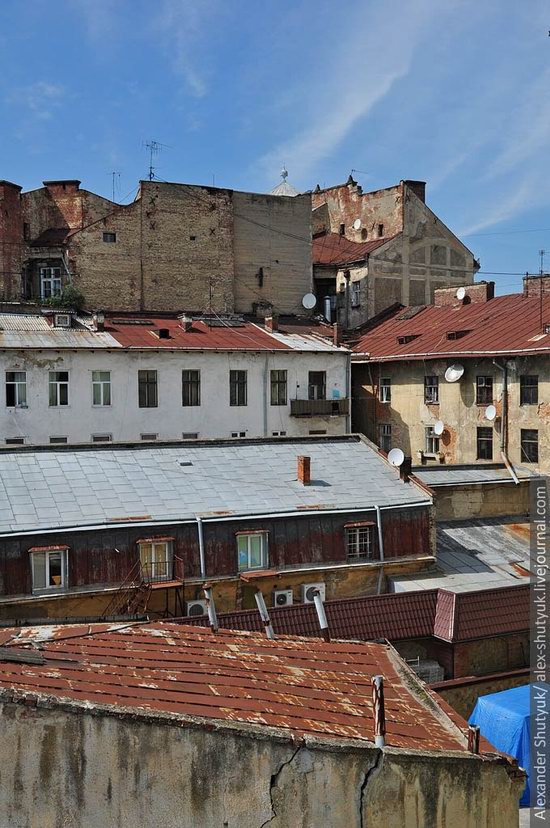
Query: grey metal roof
[24, 330]
[42, 489]
[480, 553]
[464, 475]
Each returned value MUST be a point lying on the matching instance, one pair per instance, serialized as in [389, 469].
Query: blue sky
[454, 93]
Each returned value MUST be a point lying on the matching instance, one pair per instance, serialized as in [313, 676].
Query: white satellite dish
[461, 293]
[490, 412]
[439, 427]
[396, 457]
[454, 372]
[309, 301]
[357, 224]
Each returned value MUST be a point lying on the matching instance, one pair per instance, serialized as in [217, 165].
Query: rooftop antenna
[153, 147]
[542, 254]
[115, 179]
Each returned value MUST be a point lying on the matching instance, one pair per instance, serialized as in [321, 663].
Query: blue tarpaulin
[503, 719]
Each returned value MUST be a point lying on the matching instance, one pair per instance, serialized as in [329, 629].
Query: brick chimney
[418, 188]
[98, 321]
[336, 334]
[304, 470]
[69, 185]
[185, 322]
[405, 469]
[272, 322]
[532, 285]
[473, 294]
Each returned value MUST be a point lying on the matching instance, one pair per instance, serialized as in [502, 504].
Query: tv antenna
[154, 148]
[115, 180]
[542, 254]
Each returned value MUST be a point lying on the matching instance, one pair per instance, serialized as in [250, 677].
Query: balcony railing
[318, 408]
[154, 571]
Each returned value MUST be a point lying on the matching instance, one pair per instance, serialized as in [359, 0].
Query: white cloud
[521, 195]
[181, 23]
[41, 98]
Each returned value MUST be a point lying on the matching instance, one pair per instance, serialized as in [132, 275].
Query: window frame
[263, 535]
[51, 279]
[317, 390]
[102, 384]
[238, 387]
[16, 385]
[62, 551]
[431, 384]
[355, 293]
[160, 568]
[109, 237]
[384, 437]
[484, 444]
[524, 441]
[384, 390]
[279, 386]
[525, 387]
[431, 442]
[191, 388]
[145, 384]
[354, 540]
[481, 397]
[58, 384]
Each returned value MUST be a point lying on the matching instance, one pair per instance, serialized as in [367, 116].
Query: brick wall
[11, 238]
[480, 292]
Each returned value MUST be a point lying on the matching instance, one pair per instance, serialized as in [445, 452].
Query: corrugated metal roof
[23, 322]
[24, 330]
[141, 334]
[56, 488]
[333, 249]
[297, 685]
[442, 475]
[503, 325]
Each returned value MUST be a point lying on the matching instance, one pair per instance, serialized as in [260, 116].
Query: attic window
[162, 333]
[380, 231]
[342, 229]
[110, 238]
[456, 334]
[403, 340]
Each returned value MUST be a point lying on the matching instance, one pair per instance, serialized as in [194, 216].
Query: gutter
[366, 357]
[504, 422]
[201, 546]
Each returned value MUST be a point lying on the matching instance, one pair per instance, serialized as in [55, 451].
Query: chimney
[405, 469]
[70, 185]
[98, 321]
[471, 294]
[535, 285]
[186, 323]
[418, 188]
[304, 470]
[336, 334]
[272, 322]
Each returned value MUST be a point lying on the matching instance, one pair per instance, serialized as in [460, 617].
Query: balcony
[318, 408]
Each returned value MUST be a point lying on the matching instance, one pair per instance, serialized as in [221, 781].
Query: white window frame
[160, 566]
[247, 538]
[101, 385]
[49, 279]
[47, 553]
[20, 389]
[360, 542]
[56, 383]
[355, 294]
[431, 441]
[431, 389]
[385, 389]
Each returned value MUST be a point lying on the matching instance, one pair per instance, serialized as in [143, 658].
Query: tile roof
[304, 687]
[60, 487]
[503, 325]
[333, 249]
[486, 613]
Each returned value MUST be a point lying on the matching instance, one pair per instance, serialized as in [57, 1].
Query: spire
[284, 188]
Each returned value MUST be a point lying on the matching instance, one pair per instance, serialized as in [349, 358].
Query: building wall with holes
[409, 415]
[124, 420]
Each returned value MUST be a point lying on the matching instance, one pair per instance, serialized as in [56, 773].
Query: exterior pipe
[201, 547]
[504, 424]
[379, 712]
[348, 393]
[473, 739]
[211, 607]
[321, 615]
[264, 615]
[380, 548]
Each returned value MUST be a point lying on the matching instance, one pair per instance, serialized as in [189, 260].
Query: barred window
[359, 542]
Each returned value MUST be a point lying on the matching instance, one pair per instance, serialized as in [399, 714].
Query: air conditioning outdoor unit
[308, 592]
[196, 608]
[282, 597]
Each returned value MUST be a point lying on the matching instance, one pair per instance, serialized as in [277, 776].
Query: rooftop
[32, 330]
[67, 487]
[334, 249]
[465, 475]
[303, 687]
[504, 325]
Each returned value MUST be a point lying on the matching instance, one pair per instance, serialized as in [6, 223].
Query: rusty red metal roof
[143, 333]
[503, 325]
[298, 685]
[333, 249]
[461, 616]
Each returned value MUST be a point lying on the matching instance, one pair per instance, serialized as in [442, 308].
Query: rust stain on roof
[304, 686]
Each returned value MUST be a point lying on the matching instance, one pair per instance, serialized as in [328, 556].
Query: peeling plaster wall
[64, 769]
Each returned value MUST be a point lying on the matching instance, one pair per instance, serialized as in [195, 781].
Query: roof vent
[163, 333]
[403, 340]
[456, 334]
[186, 322]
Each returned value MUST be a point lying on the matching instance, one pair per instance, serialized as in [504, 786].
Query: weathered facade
[175, 247]
[393, 249]
[498, 347]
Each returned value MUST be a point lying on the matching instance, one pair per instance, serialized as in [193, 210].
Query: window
[49, 569]
[59, 440]
[237, 388]
[484, 443]
[110, 238]
[359, 542]
[431, 441]
[15, 441]
[529, 445]
[385, 389]
[278, 433]
[364, 234]
[190, 388]
[528, 390]
[385, 437]
[59, 388]
[101, 388]
[156, 558]
[102, 438]
[190, 435]
[317, 385]
[278, 388]
[431, 390]
[484, 390]
[380, 231]
[355, 290]
[238, 433]
[252, 550]
[148, 438]
[147, 389]
[342, 229]
[314, 431]
[16, 389]
[50, 282]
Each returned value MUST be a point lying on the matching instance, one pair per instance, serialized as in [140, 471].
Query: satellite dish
[439, 427]
[309, 301]
[396, 457]
[490, 412]
[357, 224]
[454, 372]
[461, 293]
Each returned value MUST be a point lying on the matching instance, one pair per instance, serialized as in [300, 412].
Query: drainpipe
[201, 546]
[504, 424]
[380, 548]
[265, 394]
[348, 394]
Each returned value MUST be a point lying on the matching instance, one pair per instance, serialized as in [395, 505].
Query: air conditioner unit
[308, 592]
[282, 597]
[196, 608]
